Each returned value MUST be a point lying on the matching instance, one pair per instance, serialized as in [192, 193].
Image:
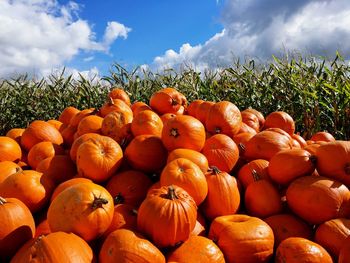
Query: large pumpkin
[55, 248]
[280, 119]
[167, 215]
[183, 131]
[17, 226]
[147, 122]
[251, 238]
[223, 117]
[9, 150]
[77, 142]
[124, 245]
[98, 158]
[85, 209]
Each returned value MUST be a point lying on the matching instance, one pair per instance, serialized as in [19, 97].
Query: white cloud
[37, 36]
[261, 29]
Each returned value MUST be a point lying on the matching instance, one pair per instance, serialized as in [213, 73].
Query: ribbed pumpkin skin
[41, 151]
[9, 150]
[344, 255]
[317, 199]
[287, 165]
[223, 195]
[7, 168]
[332, 235]
[194, 156]
[197, 249]
[77, 142]
[221, 152]
[288, 225]
[147, 122]
[251, 237]
[258, 114]
[223, 117]
[124, 245]
[67, 114]
[297, 249]
[186, 174]
[17, 226]
[16, 134]
[85, 209]
[167, 221]
[56, 247]
[119, 93]
[280, 119]
[333, 161]
[249, 170]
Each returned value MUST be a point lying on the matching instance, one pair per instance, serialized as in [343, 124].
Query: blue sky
[39, 37]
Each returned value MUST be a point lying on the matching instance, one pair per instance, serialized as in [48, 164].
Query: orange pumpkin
[7, 168]
[322, 136]
[223, 194]
[17, 226]
[124, 245]
[197, 249]
[138, 106]
[194, 156]
[68, 135]
[186, 174]
[258, 114]
[146, 153]
[344, 255]
[251, 237]
[98, 158]
[114, 124]
[66, 184]
[221, 152]
[85, 209]
[115, 105]
[183, 131]
[89, 124]
[247, 172]
[298, 249]
[223, 117]
[280, 119]
[41, 151]
[55, 123]
[16, 134]
[193, 106]
[168, 209]
[147, 122]
[80, 140]
[67, 114]
[301, 141]
[202, 110]
[167, 100]
[9, 150]
[118, 93]
[250, 119]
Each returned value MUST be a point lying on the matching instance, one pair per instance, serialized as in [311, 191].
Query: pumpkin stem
[241, 148]
[171, 193]
[99, 202]
[214, 170]
[217, 130]
[174, 132]
[347, 169]
[2, 201]
[313, 159]
[119, 199]
[255, 175]
[174, 102]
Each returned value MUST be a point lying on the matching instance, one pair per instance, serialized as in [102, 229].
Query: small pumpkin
[258, 114]
[322, 136]
[119, 93]
[344, 254]
[81, 139]
[41, 151]
[10, 150]
[114, 105]
[147, 122]
[7, 168]
[194, 156]
[247, 172]
[114, 124]
[16, 134]
[280, 119]
[193, 106]
[89, 124]
[167, 100]
[66, 184]
[67, 114]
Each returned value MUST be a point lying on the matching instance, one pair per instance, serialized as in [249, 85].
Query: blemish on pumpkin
[174, 132]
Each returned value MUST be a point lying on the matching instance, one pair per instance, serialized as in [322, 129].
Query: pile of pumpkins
[172, 181]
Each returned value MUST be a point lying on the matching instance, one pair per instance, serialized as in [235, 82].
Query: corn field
[316, 93]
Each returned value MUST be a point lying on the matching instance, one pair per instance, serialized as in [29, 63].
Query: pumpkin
[17, 226]
[114, 105]
[258, 114]
[147, 122]
[200, 227]
[99, 158]
[89, 124]
[186, 174]
[119, 93]
[266, 144]
[66, 184]
[298, 249]
[197, 249]
[81, 139]
[202, 110]
[7, 168]
[67, 114]
[146, 153]
[58, 168]
[55, 248]
[332, 234]
[55, 123]
[287, 165]
[124, 217]
[39, 131]
[183, 131]
[299, 139]
[194, 156]
[251, 238]
[223, 117]
[129, 187]
[250, 119]
[9, 150]
[262, 198]
[344, 255]
[322, 136]
[312, 147]
[124, 245]
[114, 124]
[246, 128]
[68, 135]
[28, 186]
[288, 225]
[167, 116]
[16, 134]
[42, 228]
[193, 106]
[317, 199]
[333, 161]
[256, 167]
[221, 152]
[41, 151]
[167, 100]
[280, 119]
[85, 209]
[138, 106]
[241, 139]
[223, 196]
[167, 216]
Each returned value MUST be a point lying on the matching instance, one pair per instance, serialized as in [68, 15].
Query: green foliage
[315, 92]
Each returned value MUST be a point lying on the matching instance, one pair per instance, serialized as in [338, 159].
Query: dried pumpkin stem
[2, 200]
[214, 170]
[171, 193]
[174, 102]
[99, 202]
[119, 199]
[255, 175]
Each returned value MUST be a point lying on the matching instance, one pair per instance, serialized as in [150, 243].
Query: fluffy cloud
[37, 36]
[260, 29]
